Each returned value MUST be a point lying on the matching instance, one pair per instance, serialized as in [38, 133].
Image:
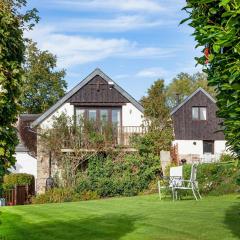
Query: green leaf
[224, 2]
[216, 48]
[185, 20]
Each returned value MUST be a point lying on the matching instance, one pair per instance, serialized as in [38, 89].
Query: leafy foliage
[12, 48]
[42, 85]
[118, 174]
[217, 29]
[85, 139]
[157, 115]
[216, 178]
[9, 181]
[184, 85]
[227, 158]
[58, 195]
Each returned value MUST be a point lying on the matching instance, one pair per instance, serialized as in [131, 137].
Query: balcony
[104, 136]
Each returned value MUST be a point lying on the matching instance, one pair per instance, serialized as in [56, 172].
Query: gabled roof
[96, 72]
[189, 97]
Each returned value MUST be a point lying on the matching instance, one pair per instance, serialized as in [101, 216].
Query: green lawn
[143, 217]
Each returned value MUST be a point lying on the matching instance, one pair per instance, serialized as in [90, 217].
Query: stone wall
[42, 165]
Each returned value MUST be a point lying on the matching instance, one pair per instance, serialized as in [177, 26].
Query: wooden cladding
[187, 128]
[98, 92]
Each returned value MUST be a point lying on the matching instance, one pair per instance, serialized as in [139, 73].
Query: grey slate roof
[24, 118]
[21, 148]
[97, 71]
[189, 97]
[29, 117]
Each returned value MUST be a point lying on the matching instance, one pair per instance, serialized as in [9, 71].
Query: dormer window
[199, 113]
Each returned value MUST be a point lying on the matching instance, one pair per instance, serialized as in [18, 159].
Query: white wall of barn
[188, 146]
[131, 116]
[25, 164]
[66, 108]
[195, 147]
[220, 147]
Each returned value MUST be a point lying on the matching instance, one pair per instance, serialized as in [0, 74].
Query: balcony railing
[111, 136]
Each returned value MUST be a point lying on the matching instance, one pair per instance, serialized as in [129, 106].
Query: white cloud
[154, 72]
[117, 24]
[75, 49]
[121, 76]
[110, 5]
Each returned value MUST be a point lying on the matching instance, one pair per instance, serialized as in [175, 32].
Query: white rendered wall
[187, 146]
[25, 164]
[131, 116]
[66, 108]
[187, 150]
[220, 147]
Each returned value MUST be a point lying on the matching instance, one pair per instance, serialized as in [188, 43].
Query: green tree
[12, 24]
[184, 85]
[216, 26]
[157, 115]
[43, 85]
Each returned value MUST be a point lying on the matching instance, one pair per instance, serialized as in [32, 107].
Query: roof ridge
[190, 96]
[71, 92]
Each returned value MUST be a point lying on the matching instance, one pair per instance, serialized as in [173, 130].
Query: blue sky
[135, 42]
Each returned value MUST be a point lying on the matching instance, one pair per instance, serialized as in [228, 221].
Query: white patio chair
[176, 174]
[190, 184]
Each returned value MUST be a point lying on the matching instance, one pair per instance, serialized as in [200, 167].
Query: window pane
[195, 113]
[203, 113]
[92, 115]
[208, 147]
[103, 115]
[79, 115]
[116, 117]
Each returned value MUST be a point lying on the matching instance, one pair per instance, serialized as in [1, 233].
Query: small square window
[203, 113]
[195, 113]
[199, 113]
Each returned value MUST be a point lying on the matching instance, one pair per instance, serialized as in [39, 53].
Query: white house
[97, 98]
[25, 153]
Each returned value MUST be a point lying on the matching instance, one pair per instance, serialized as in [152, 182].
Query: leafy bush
[217, 29]
[10, 180]
[227, 158]
[114, 176]
[58, 195]
[216, 178]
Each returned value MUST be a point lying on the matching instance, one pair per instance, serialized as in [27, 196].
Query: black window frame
[206, 144]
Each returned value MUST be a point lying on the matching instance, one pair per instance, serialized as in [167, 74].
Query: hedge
[10, 180]
[216, 178]
[127, 176]
[59, 195]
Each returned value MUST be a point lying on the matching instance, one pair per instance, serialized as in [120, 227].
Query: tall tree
[157, 115]
[43, 85]
[185, 84]
[12, 24]
[216, 26]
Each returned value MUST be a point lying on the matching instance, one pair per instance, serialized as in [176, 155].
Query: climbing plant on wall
[12, 25]
[216, 26]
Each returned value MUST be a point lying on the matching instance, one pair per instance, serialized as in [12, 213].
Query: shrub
[227, 158]
[10, 180]
[116, 175]
[59, 195]
[55, 195]
[89, 195]
[216, 178]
